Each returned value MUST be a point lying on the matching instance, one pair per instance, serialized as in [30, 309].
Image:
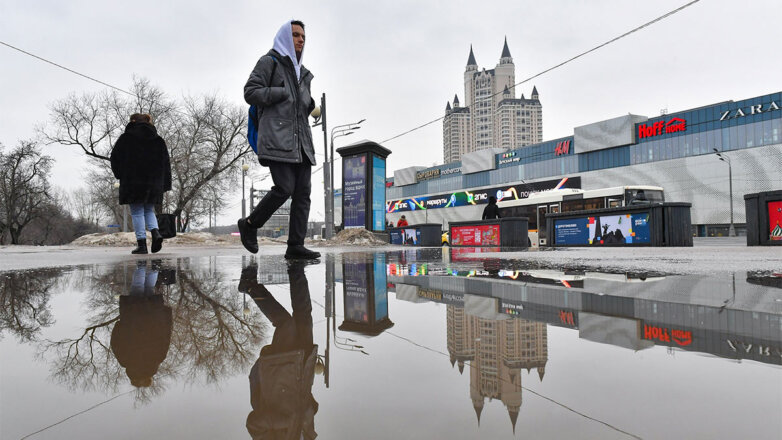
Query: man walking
[280, 87]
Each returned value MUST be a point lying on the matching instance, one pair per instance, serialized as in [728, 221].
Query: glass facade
[726, 126]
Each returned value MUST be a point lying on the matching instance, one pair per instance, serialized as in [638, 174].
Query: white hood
[283, 44]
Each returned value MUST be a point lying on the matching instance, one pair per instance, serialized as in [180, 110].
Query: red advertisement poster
[478, 235]
[775, 220]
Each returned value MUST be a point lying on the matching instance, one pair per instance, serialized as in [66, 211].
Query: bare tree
[206, 146]
[24, 188]
[205, 136]
[83, 204]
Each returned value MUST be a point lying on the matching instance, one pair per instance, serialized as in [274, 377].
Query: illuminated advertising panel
[476, 235]
[479, 197]
[354, 193]
[378, 194]
[603, 230]
[410, 236]
[774, 220]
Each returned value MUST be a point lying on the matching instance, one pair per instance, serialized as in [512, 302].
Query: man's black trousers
[290, 180]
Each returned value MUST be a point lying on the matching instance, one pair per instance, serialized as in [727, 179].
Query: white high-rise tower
[492, 116]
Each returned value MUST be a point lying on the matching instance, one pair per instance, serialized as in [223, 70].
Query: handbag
[166, 224]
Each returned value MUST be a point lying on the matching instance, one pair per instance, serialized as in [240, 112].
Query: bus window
[553, 208]
[640, 196]
[595, 203]
[614, 201]
[572, 205]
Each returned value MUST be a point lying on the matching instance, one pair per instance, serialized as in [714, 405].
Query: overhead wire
[647, 24]
[636, 29]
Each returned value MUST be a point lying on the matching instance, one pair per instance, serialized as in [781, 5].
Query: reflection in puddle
[497, 329]
[733, 317]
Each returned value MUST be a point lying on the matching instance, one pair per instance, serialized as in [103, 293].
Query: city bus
[537, 205]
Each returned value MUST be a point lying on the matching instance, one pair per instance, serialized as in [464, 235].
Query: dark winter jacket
[491, 211]
[284, 133]
[141, 337]
[140, 161]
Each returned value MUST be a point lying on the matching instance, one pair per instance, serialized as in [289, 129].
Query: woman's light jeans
[143, 214]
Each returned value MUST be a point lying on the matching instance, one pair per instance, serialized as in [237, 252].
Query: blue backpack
[254, 116]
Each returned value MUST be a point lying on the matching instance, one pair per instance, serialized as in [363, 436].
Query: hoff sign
[672, 126]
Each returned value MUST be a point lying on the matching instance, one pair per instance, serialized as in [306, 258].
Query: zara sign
[751, 110]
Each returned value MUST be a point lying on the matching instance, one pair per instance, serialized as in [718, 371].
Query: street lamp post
[245, 167]
[726, 159]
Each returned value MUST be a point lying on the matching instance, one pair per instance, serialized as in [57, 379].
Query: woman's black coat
[140, 161]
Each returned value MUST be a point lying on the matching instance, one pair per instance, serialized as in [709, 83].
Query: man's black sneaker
[299, 252]
[249, 235]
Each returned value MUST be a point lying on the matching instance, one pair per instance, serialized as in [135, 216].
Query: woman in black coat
[140, 161]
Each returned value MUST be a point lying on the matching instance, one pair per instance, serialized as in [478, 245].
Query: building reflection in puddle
[497, 315]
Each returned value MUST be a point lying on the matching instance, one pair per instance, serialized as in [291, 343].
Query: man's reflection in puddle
[281, 379]
[141, 337]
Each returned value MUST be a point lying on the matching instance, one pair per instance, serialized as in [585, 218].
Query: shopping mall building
[674, 151]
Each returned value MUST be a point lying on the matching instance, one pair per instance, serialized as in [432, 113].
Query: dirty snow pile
[354, 237]
[182, 239]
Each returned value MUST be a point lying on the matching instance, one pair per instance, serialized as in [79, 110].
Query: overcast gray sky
[395, 63]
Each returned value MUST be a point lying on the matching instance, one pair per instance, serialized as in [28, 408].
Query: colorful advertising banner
[479, 197]
[409, 236]
[378, 194]
[775, 220]
[477, 235]
[354, 193]
[603, 230]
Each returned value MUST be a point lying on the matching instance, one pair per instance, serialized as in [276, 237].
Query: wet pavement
[425, 343]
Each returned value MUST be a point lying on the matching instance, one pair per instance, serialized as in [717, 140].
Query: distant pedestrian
[491, 211]
[280, 87]
[140, 161]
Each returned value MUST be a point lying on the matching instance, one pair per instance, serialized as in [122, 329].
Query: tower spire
[505, 50]
[471, 59]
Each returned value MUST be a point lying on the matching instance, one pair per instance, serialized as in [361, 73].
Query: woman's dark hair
[298, 23]
[492, 200]
[141, 117]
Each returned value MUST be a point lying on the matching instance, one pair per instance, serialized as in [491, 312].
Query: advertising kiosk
[364, 185]
[764, 218]
[655, 224]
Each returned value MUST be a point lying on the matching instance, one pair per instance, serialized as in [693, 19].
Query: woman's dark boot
[157, 240]
[142, 247]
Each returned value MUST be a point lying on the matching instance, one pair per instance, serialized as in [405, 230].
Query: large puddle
[408, 344]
